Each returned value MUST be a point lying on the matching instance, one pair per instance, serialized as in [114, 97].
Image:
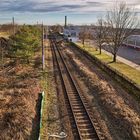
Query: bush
[25, 42]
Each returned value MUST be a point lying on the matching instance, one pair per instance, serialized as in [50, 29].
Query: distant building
[71, 32]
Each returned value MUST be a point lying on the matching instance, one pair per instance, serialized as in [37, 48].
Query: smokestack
[65, 21]
[13, 22]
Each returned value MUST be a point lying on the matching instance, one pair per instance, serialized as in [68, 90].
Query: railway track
[77, 106]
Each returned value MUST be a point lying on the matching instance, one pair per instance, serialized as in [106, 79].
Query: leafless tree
[84, 34]
[121, 21]
[99, 34]
[57, 28]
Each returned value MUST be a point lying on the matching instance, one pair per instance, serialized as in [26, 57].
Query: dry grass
[4, 34]
[18, 101]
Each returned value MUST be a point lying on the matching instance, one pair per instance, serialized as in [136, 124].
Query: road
[130, 53]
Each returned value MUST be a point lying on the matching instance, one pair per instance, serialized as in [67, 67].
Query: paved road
[126, 61]
[130, 53]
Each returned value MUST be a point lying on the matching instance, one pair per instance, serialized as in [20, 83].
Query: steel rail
[74, 85]
[64, 87]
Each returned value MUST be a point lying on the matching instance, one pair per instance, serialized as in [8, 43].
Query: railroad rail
[78, 109]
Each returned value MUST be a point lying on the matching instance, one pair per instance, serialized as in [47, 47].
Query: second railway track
[78, 109]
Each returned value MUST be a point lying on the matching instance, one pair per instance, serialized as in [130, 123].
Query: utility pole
[13, 22]
[43, 57]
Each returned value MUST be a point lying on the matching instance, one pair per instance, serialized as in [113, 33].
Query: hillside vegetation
[20, 86]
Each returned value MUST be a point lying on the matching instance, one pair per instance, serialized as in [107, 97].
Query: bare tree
[99, 33]
[57, 28]
[84, 34]
[121, 21]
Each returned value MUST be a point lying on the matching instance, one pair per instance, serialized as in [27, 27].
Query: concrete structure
[133, 41]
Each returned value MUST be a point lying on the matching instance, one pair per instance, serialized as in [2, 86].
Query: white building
[72, 33]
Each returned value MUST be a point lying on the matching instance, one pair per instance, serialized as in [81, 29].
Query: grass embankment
[50, 115]
[46, 88]
[48, 103]
[44, 84]
[128, 71]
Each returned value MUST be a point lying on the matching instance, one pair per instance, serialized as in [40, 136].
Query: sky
[53, 11]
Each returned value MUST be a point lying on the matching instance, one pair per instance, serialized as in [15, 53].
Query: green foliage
[25, 42]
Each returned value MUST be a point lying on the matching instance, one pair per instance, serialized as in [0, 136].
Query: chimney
[65, 21]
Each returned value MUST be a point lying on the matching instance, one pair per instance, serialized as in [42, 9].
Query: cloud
[47, 6]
